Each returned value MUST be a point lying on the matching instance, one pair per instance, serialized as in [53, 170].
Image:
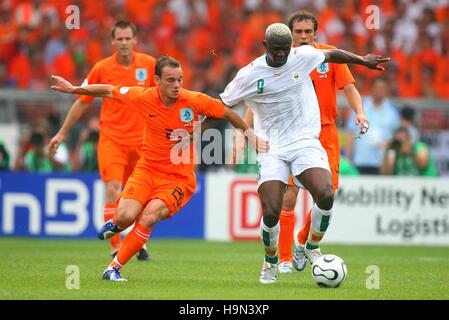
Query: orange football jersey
[116, 122]
[326, 78]
[165, 127]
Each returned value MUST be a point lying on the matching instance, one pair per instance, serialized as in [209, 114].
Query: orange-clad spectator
[214, 9]
[399, 58]
[442, 78]
[5, 82]
[46, 30]
[385, 7]
[232, 26]
[442, 12]
[30, 13]
[250, 41]
[94, 47]
[38, 76]
[331, 26]
[20, 70]
[399, 65]
[64, 62]
[420, 77]
[94, 10]
[64, 65]
[409, 82]
[427, 55]
[80, 35]
[261, 19]
[139, 11]
[94, 51]
[163, 25]
[201, 41]
[442, 69]
[8, 33]
[172, 50]
[61, 8]
[26, 14]
[427, 83]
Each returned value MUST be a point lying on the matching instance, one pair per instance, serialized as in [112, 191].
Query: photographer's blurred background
[213, 39]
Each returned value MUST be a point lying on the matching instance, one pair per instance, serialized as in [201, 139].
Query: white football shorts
[276, 167]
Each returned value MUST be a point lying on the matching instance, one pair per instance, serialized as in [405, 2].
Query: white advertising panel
[391, 210]
[367, 209]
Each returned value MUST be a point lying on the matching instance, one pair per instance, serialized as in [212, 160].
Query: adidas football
[329, 271]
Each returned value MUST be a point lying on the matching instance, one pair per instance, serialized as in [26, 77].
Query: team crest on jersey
[296, 76]
[141, 74]
[323, 68]
[186, 114]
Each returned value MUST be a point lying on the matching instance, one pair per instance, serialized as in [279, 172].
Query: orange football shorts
[115, 161]
[146, 184]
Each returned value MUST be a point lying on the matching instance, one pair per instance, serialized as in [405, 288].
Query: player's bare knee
[289, 201]
[153, 213]
[113, 189]
[149, 219]
[290, 198]
[124, 218]
[325, 198]
[271, 215]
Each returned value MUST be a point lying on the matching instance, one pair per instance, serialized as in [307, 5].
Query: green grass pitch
[199, 270]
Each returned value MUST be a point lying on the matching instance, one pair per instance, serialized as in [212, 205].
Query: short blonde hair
[278, 30]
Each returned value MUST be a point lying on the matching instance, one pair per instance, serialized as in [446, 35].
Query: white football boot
[313, 254]
[285, 267]
[268, 273]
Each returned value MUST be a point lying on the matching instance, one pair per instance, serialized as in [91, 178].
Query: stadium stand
[213, 39]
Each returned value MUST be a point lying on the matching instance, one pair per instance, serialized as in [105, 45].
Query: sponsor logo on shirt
[186, 114]
[141, 74]
[323, 68]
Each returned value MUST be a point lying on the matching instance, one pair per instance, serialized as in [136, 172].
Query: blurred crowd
[33, 154]
[213, 39]
[392, 146]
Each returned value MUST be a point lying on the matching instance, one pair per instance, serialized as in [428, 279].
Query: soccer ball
[329, 271]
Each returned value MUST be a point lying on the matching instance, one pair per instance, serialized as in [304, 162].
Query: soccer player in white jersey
[280, 93]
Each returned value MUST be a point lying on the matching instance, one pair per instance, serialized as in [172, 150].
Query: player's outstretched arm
[261, 145]
[76, 111]
[355, 102]
[342, 56]
[97, 90]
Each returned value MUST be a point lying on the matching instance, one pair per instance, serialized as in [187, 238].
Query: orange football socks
[287, 221]
[133, 242]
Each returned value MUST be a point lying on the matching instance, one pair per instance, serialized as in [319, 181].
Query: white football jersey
[282, 99]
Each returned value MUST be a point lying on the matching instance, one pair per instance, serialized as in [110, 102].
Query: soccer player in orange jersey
[326, 78]
[163, 180]
[121, 129]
